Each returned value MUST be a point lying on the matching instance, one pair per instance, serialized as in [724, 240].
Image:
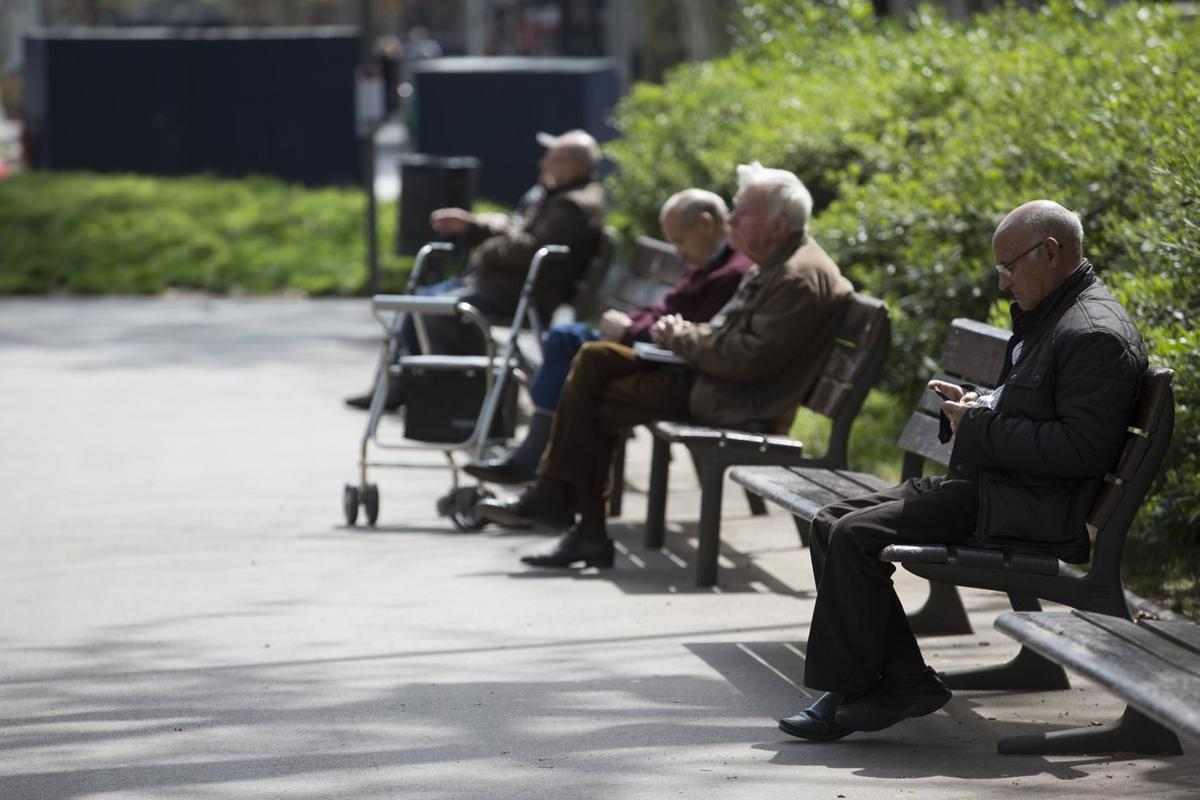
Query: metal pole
[367, 148]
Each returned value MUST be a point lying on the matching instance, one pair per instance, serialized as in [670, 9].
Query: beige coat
[761, 356]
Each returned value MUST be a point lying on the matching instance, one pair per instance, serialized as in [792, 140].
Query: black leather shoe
[395, 396]
[817, 723]
[394, 400]
[572, 548]
[894, 700]
[544, 505]
[505, 472]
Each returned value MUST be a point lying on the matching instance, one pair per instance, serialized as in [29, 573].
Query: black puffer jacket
[1040, 455]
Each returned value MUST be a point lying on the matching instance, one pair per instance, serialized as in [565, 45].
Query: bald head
[1047, 218]
[694, 220]
[1037, 246]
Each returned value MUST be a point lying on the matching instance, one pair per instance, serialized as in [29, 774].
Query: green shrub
[93, 234]
[917, 137]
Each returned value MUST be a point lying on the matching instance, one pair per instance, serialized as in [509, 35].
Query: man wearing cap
[566, 207]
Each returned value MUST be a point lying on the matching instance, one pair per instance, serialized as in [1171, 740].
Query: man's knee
[822, 524]
[561, 341]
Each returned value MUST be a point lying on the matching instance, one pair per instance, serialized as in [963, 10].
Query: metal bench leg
[1134, 732]
[616, 492]
[712, 486]
[656, 502]
[758, 507]
[1026, 670]
[942, 614]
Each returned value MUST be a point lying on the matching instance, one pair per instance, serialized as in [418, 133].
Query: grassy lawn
[129, 234]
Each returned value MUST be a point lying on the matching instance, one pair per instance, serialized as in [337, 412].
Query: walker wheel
[460, 505]
[350, 504]
[370, 500]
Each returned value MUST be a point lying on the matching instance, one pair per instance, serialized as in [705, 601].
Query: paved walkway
[184, 615]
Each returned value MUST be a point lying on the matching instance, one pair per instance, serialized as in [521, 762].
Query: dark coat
[570, 215]
[762, 354]
[1060, 423]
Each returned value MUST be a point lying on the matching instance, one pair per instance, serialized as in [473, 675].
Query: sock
[529, 451]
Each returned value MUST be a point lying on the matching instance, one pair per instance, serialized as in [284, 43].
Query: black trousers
[859, 632]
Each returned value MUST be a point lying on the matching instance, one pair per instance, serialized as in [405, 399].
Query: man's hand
[451, 221]
[668, 328]
[613, 324]
[946, 391]
[955, 402]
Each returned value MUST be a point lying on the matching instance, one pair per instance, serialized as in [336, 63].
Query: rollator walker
[461, 387]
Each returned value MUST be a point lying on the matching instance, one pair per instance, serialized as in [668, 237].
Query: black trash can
[428, 183]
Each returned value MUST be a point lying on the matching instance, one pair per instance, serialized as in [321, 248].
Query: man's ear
[1052, 248]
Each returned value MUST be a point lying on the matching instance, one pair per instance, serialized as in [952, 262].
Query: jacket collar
[785, 251]
[723, 254]
[567, 187]
[1026, 323]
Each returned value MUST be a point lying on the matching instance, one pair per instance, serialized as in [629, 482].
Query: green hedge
[93, 234]
[917, 137]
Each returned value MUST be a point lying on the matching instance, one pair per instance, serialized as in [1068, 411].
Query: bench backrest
[653, 270]
[853, 367]
[587, 291]
[1149, 434]
[974, 353]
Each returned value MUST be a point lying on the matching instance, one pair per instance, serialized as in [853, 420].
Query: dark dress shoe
[544, 505]
[895, 700]
[363, 401]
[395, 396]
[572, 548]
[817, 723]
[505, 472]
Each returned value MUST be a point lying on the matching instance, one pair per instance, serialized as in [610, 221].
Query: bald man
[1028, 460]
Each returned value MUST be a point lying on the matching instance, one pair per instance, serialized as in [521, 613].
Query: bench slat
[975, 351]
[1181, 632]
[793, 493]
[1161, 691]
[843, 483]
[804, 491]
[1148, 639]
[920, 436]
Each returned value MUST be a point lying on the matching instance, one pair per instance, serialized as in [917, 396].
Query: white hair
[786, 194]
[691, 203]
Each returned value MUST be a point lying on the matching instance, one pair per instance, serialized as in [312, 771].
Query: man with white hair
[696, 222]
[1028, 460]
[565, 207]
[750, 367]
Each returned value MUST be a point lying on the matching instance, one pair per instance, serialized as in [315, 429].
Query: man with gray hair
[696, 222]
[750, 367]
[1028, 460]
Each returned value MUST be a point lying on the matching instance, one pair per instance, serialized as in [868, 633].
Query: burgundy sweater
[698, 296]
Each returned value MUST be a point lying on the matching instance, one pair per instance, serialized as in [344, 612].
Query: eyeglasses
[1004, 269]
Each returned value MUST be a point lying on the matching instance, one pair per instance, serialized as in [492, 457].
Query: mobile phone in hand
[939, 392]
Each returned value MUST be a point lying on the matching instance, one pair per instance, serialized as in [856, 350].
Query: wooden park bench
[973, 353]
[853, 367]
[1153, 665]
[1027, 579]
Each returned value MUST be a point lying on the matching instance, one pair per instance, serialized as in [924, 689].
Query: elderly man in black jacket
[1028, 460]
